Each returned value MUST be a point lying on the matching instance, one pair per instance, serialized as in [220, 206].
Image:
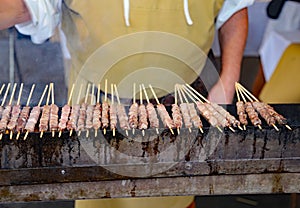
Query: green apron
[158, 48]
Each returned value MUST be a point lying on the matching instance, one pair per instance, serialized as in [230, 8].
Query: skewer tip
[231, 129]
[71, 132]
[26, 135]
[59, 133]
[18, 135]
[275, 127]
[218, 127]
[288, 127]
[10, 135]
[171, 130]
[157, 132]
[240, 128]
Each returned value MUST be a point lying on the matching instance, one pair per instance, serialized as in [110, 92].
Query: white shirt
[45, 17]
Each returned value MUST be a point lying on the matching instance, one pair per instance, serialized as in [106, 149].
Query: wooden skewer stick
[197, 93]
[176, 102]
[105, 99]
[47, 103]
[148, 101]
[12, 94]
[157, 101]
[85, 100]
[181, 97]
[77, 102]
[112, 103]
[98, 101]
[69, 102]
[9, 103]
[18, 102]
[27, 104]
[185, 89]
[52, 97]
[190, 92]
[71, 94]
[239, 99]
[207, 102]
[39, 104]
[92, 103]
[141, 103]
[119, 102]
[247, 92]
[134, 101]
[244, 99]
[5, 95]
[3, 101]
[2, 88]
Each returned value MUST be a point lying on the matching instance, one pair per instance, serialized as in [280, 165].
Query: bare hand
[221, 94]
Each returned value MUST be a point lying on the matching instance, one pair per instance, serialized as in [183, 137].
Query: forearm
[12, 12]
[232, 37]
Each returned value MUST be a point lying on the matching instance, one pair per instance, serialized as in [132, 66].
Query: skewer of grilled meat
[133, 115]
[89, 116]
[241, 112]
[230, 118]
[165, 117]
[206, 113]
[15, 114]
[279, 118]
[186, 115]
[143, 122]
[5, 118]
[22, 120]
[24, 115]
[81, 118]
[222, 121]
[252, 114]
[63, 120]
[259, 107]
[194, 117]
[97, 117]
[16, 109]
[121, 113]
[53, 124]
[7, 111]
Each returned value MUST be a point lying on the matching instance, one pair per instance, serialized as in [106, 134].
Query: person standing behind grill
[90, 25]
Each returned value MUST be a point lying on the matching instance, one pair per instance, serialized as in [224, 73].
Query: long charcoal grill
[253, 161]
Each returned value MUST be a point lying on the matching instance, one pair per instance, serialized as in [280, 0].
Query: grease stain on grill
[264, 148]
[276, 184]
[211, 189]
[254, 145]
[107, 195]
[132, 191]
[214, 168]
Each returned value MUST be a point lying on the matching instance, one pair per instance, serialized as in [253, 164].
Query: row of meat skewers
[111, 114]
